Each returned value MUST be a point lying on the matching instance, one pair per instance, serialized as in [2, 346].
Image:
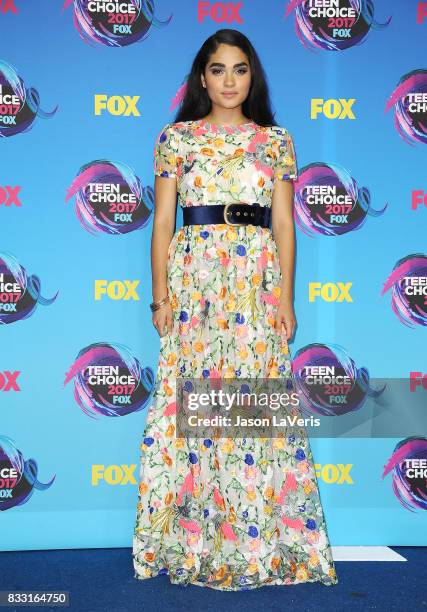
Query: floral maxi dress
[226, 513]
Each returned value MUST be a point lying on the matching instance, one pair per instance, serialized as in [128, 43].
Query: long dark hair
[196, 103]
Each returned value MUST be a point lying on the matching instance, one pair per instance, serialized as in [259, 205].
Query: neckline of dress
[228, 128]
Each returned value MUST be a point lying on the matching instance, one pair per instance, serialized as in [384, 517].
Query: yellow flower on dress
[170, 430]
[269, 492]
[143, 488]
[227, 446]
[198, 347]
[260, 348]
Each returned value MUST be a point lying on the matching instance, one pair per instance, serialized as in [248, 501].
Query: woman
[229, 513]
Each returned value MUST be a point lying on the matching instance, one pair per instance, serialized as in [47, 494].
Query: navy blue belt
[234, 213]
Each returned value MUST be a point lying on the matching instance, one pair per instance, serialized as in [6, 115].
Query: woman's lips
[229, 94]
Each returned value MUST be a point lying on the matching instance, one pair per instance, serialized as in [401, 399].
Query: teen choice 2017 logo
[408, 466]
[410, 107]
[408, 284]
[19, 105]
[19, 293]
[109, 381]
[18, 477]
[115, 23]
[110, 198]
[329, 382]
[333, 26]
[328, 201]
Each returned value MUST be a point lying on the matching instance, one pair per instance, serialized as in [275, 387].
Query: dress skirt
[227, 513]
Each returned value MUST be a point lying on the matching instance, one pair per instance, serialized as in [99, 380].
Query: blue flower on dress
[205, 512]
[238, 372]
[282, 368]
[193, 458]
[204, 234]
[291, 438]
[240, 318]
[163, 137]
[289, 384]
[151, 509]
[207, 443]
[205, 373]
[241, 250]
[253, 531]
[187, 248]
[188, 386]
[182, 369]
[300, 454]
[249, 460]
[148, 441]
[245, 514]
[183, 316]
[310, 524]
[301, 508]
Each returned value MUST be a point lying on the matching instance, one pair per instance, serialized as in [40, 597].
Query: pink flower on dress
[242, 331]
[290, 484]
[303, 466]
[262, 259]
[292, 523]
[260, 138]
[251, 472]
[270, 298]
[187, 487]
[191, 526]
[254, 544]
[312, 537]
[170, 409]
[227, 531]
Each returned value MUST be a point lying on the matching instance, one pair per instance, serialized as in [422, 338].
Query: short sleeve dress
[226, 513]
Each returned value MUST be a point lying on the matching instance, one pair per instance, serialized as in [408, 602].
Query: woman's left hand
[285, 316]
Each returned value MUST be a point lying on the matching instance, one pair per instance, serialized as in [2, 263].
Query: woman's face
[227, 72]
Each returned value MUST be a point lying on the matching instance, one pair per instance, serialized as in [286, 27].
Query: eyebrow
[219, 65]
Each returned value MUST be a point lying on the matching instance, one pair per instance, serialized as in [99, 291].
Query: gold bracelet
[156, 305]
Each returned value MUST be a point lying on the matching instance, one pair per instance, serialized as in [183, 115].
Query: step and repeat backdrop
[85, 89]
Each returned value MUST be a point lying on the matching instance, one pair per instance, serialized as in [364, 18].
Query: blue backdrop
[90, 503]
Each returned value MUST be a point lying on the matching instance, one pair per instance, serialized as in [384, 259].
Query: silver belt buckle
[226, 213]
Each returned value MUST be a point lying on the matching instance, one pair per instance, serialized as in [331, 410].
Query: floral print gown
[225, 513]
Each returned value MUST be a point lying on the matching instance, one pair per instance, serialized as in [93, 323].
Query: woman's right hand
[162, 319]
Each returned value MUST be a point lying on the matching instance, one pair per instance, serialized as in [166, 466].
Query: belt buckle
[226, 212]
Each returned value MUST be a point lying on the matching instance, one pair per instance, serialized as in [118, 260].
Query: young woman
[229, 513]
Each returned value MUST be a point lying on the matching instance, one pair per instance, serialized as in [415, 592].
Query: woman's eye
[216, 71]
